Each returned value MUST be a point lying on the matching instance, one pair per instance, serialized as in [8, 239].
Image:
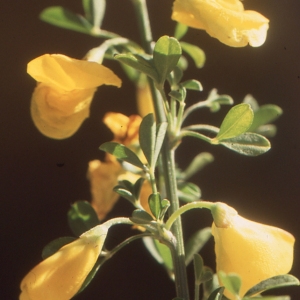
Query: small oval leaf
[196, 53]
[250, 144]
[237, 121]
[166, 54]
[82, 217]
[273, 282]
[122, 152]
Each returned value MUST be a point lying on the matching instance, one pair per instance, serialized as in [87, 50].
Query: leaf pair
[233, 132]
[166, 54]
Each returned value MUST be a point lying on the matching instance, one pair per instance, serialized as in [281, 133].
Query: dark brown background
[35, 193]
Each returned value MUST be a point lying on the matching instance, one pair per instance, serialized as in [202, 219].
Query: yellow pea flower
[225, 20]
[61, 275]
[252, 250]
[65, 89]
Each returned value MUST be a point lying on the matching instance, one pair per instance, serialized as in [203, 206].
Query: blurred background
[41, 177]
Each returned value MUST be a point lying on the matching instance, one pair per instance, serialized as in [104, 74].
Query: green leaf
[237, 121]
[178, 95]
[216, 294]
[196, 53]
[166, 54]
[249, 99]
[175, 76]
[198, 268]
[180, 31]
[160, 136]
[197, 164]
[188, 192]
[165, 253]
[232, 282]
[122, 152]
[250, 144]
[82, 217]
[137, 187]
[196, 242]
[55, 245]
[61, 17]
[88, 9]
[192, 85]
[147, 136]
[140, 216]
[123, 192]
[268, 130]
[155, 204]
[139, 63]
[271, 283]
[264, 115]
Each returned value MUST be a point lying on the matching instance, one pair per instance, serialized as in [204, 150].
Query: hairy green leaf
[237, 121]
[166, 54]
[62, 17]
[264, 115]
[196, 242]
[122, 152]
[250, 144]
[273, 282]
[180, 30]
[196, 53]
[139, 63]
[147, 137]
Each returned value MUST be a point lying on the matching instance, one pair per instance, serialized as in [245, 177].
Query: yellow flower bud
[61, 275]
[66, 86]
[225, 20]
[252, 250]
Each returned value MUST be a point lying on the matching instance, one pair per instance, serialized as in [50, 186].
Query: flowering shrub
[140, 163]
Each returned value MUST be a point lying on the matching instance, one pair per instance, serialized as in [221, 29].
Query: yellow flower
[61, 275]
[104, 176]
[65, 89]
[225, 20]
[252, 250]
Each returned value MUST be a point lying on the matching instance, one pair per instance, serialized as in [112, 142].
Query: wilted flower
[61, 275]
[65, 89]
[225, 20]
[104, 176]
[252, 250]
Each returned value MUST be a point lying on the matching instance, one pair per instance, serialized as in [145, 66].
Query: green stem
[168, 163]
[187, 207]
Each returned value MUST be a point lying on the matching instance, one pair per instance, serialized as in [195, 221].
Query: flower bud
[61, 275]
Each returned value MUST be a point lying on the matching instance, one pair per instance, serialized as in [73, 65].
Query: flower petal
[225, 20]
[65, 73]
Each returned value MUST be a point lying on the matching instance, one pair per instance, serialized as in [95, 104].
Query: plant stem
[168, 162]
